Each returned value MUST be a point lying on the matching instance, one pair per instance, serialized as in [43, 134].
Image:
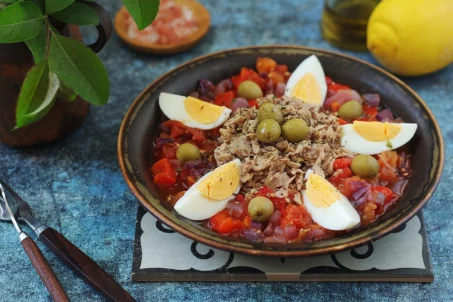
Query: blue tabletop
[75, 184]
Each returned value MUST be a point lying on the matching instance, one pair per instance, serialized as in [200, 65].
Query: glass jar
[344, 22]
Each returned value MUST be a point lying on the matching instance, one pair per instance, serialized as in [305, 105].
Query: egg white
[310, 64]
[352, 141]
[340, 215]
[172, 105]
[193, 205]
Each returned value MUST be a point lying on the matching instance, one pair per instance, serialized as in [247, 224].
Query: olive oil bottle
[344, 22]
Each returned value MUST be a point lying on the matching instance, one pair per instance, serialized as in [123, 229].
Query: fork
[71, 255]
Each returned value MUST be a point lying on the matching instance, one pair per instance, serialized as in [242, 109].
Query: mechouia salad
[280, 157]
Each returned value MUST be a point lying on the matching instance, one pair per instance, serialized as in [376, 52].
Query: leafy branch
[64, 67]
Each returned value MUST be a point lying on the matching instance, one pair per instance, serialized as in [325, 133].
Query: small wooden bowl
[201, 14]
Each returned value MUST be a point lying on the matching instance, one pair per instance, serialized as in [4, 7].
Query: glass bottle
[344, 22]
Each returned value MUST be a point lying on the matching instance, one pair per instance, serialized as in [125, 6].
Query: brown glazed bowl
[143, 117]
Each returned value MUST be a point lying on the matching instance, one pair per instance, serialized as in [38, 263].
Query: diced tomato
[369, 112]
[328, 81]
[341, 163]
[177, 196]
[279, 203]
[164, 173]
[334, 87]
[296, 215]
[348, 186]
[391, 157]
[244, 75]
[197, 134]
[265, 64]
[247, 221]
[224, 224]
[276, 78]
[389, 194]
[388, 161]
[340, 175]
[169, 150]
[335, 106]
[208, 145]
[342, 121]
[240, 198]
[177, 128]
[258, 80]
[224, 99]
[253, 104]
[191, 180]
[280, 68]
[388, 174]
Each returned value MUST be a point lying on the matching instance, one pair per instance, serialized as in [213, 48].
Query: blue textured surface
[75, 184]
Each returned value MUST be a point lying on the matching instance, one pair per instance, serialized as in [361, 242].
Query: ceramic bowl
[140, 123]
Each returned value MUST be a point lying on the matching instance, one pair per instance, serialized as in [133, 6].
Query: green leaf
[66, 94]
[142, 11]
[79, 68]
[78, 14]
[37, 94]
[41, 4]
[37, 46]
[20, 22]
[53, 6]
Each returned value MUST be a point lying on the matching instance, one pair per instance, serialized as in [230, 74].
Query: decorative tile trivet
[161, 254]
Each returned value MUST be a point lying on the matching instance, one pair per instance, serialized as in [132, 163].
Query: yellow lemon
[412, 38]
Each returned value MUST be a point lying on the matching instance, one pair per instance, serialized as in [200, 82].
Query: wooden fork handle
[45, 272]
[84, 266]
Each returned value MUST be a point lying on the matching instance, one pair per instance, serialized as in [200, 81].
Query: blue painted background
[75, 184]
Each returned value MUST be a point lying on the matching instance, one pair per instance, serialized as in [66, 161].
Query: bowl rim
[274, 252]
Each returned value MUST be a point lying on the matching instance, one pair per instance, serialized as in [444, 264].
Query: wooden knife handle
[44, 270]
[84, 266]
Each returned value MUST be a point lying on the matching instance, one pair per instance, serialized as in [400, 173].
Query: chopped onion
[278, 231]
[175, 163]
[252, 235]
[193, 164]
[276, 218]
[361, 192]
[398, 187]
[235, 208]
[256, 225]
[270, 87]
[162, 128]
[372, 99]
[343, 96]
[385, 116]
[280, 89]
[269, 230]
[162, 141]
[263, 75]
[223, 86]
[360, 201]
[206, 89]
[275, 239]
[239, 103]
[290, 232]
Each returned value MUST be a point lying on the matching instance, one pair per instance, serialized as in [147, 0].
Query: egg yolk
[308, 90]
[376, 131]
[320, 192]
[202, 112]
[222, 183]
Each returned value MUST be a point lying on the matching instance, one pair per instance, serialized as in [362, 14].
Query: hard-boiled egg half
[211, 193]
[376, 137]
[193, 112]
[308, 82]
[327, 206]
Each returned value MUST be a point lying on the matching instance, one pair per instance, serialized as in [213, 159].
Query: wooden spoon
[199, 12]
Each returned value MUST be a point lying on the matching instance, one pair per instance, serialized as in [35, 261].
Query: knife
[72, 256]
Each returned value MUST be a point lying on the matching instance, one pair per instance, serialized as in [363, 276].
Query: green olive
[350, 110]
[261, 209]
[268, 131]
[249, 90]
[187, 152]
[365, 166]
[270, 111]
[295, 130]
